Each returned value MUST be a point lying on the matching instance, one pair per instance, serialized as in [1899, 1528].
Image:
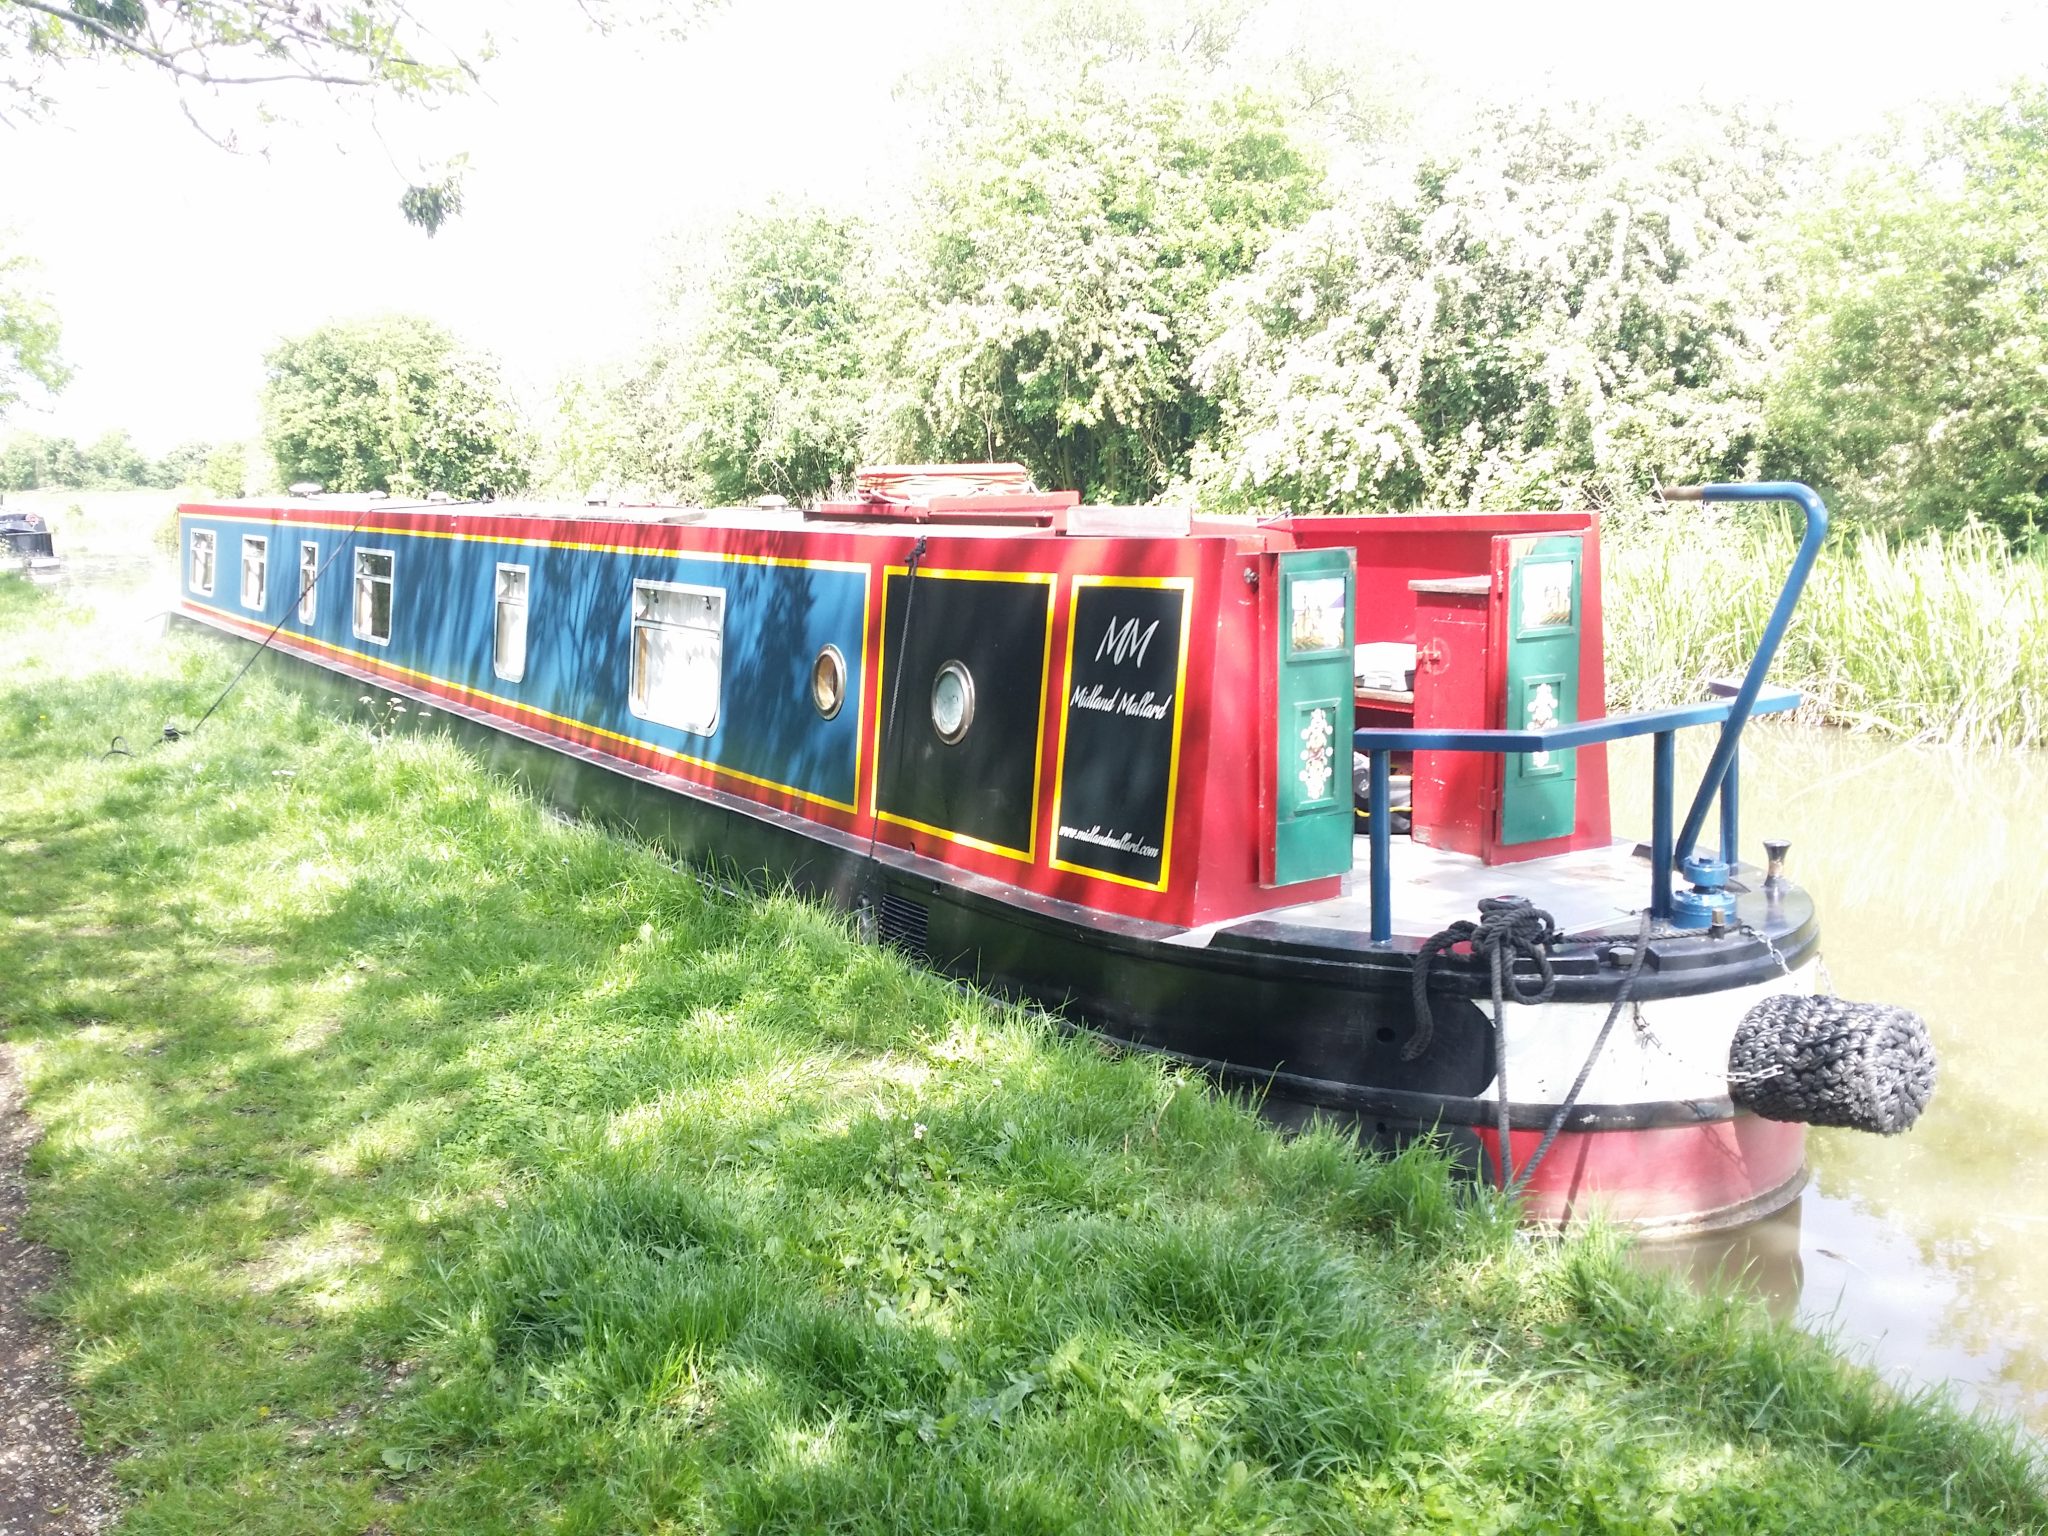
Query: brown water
[1924, 1253]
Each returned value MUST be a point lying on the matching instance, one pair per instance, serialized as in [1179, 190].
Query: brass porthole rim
[837, 658]
[954, 669]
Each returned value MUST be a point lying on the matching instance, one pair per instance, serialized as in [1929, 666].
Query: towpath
[49, 1486]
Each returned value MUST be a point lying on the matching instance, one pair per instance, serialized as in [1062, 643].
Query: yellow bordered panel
[966, 636]
[1098, 701]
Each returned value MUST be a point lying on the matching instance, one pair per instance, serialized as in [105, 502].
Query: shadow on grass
[427, 1164]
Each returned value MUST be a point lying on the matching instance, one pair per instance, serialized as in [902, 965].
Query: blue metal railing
[1746, 699]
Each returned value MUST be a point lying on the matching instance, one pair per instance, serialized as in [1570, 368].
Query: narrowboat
[1141, 768]
[26, 546]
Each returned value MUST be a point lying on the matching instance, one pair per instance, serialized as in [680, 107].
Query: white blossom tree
[1558, 309]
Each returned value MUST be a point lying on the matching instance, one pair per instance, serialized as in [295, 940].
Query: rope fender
[1826, 1061]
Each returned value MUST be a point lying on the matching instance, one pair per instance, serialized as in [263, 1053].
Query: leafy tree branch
[29, 335]
[348, 48]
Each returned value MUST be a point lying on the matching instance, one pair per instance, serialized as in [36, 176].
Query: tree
[1060, 280]
[1557, 308]
[181, 466]
[61, 463]
[392, 404]
[764, 390]
[774, 390]
[1916, 385]
[21, 463]
[113, 462]
[408, 49]
[29, 335]
[226, 471]
[1326, 64]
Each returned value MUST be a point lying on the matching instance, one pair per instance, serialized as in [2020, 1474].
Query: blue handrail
[1767, 647]
[1746, 699]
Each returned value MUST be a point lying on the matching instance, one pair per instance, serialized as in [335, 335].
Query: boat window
[309, 573]
[373, 595]
[255, 569]
[828, 681]
[952, 702]
[202, 561]
[508, 649]
[678, 655]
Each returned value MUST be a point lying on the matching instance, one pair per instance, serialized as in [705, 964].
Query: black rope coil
[1826, 1061]
[1508, 926]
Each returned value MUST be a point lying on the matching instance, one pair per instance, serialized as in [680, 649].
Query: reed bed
[1940, 637]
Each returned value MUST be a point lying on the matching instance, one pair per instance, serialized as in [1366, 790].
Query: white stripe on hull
[1671, 1050]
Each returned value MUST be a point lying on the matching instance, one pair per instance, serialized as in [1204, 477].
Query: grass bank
[427, 1164]
[1941, 637]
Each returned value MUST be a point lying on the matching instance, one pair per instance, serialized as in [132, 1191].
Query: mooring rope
[889, 727]
[1815, 1059]
[1563, 1111]
[172, 732]
[1508, 926]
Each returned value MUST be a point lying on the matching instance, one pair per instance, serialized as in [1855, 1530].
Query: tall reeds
[1941, 637]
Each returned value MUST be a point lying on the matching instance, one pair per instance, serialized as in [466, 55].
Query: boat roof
[1045, 517]
[1023, 516]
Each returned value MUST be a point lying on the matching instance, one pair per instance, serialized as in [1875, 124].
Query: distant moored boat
[27, 547]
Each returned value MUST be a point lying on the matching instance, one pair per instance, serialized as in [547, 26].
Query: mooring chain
[1765, 939]
[1649, 1037]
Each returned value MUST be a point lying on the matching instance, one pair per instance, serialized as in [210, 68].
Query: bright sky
[175, 266]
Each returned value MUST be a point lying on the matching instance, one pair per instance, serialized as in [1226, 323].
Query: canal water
[1921, 1254]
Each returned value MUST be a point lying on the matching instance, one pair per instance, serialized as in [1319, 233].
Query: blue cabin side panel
[778, 617]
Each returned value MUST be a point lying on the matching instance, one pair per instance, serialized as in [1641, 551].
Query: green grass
[426, 1163]
[1941, 637]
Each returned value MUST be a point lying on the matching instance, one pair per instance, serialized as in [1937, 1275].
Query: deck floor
[1593, 889]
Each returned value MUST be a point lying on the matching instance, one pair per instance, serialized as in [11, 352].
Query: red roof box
[950, 493]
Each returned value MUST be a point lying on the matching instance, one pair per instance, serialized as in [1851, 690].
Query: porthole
[828, 681]
[952, 702]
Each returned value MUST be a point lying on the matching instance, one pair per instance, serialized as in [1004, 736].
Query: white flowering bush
[1557, 309]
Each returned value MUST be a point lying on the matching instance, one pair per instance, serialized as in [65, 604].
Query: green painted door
[1312, 809]
[1539, 795]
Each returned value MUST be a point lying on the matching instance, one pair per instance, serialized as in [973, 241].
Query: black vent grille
[905, 924]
